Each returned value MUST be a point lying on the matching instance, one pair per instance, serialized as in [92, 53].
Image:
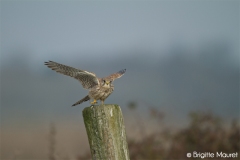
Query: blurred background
[180, 92]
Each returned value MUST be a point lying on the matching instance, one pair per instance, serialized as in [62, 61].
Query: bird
[99, 88]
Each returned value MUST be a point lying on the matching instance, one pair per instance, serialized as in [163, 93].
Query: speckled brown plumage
[99, 88]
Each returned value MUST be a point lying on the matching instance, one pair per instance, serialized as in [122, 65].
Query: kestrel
[99, 88]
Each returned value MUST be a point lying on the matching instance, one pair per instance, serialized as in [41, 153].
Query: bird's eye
[104, 81]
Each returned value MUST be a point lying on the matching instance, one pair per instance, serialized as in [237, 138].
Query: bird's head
[107, 83]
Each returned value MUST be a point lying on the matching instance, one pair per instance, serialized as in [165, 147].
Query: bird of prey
[99, 88]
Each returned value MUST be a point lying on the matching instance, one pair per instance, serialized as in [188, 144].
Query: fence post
[106, 132]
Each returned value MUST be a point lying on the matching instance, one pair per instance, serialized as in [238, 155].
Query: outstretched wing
[87, 79]
[116, 75]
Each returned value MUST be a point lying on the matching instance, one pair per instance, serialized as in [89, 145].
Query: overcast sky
[70, 30]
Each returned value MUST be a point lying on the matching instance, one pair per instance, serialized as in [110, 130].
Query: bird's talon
[94, 102]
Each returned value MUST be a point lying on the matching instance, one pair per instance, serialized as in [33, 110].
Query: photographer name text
[203, 155]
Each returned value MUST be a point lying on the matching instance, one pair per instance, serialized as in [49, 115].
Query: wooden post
[106, 132]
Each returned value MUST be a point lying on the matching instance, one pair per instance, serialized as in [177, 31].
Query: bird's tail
[82, 100]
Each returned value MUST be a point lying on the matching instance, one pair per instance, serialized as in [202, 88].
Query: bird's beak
[107, 82]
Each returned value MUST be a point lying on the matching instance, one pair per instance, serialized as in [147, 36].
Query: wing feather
[87, 79]
[116, 75]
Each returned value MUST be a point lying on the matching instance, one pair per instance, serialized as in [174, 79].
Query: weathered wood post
[106, 132]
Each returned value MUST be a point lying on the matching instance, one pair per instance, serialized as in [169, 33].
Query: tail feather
[82, 100]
